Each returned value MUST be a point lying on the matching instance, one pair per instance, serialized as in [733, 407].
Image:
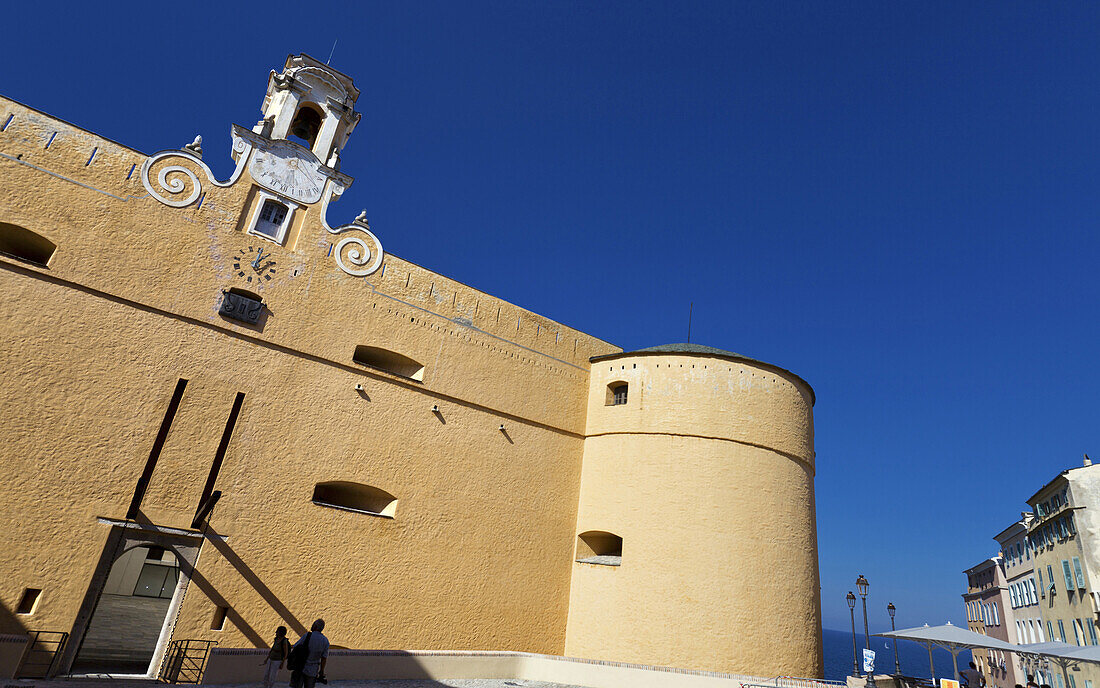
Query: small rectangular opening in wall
[131, 172]
[7, 122]
[29, 601]
[91, 157]
[52, 137]
[218, 622]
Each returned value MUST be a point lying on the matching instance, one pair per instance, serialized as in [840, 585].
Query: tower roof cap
[309, 64]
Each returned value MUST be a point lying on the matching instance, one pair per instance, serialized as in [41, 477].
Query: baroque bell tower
[313, 102]
[289, 164]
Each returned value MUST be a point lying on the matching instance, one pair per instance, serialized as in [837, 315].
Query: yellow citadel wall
[93, 345]
[707, 476]
[706, 473]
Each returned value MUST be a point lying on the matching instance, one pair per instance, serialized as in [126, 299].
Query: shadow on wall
[258, 585]
[10, 623]
[215, 539]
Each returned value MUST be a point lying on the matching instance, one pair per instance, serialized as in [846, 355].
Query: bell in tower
[306, 125]
[313, 103]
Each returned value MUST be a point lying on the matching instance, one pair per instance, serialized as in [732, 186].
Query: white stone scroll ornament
[171, 178]
[360, 252]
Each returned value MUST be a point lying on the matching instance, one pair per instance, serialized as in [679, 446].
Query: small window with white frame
[271, 217]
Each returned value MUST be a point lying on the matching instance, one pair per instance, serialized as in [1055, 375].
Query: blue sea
[912, 657]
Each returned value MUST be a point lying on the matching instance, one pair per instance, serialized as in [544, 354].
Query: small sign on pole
[948, 683]
[868, 661]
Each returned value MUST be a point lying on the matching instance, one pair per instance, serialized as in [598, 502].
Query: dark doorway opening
[126, 626]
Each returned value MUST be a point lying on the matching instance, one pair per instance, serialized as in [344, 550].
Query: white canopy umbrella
[951, 638]
[1090, 653]
[1062, 654]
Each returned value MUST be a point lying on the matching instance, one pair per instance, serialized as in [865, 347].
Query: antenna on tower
[691, 306]
[329, 60]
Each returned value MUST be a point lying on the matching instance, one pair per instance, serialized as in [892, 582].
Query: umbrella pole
[955, 662]
[931, 664]
[1065, 674]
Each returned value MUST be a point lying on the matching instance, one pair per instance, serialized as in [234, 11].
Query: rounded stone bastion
[696, 531]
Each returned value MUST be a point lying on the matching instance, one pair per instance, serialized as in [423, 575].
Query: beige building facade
[1063, 551]
[225, 411]
[1024, 623]
[1043, 582]
[987, 613]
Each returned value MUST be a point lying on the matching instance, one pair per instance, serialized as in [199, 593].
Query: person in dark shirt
[276, 658]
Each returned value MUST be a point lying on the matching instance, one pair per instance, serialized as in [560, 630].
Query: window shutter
[1080, 574]
[1068, 575]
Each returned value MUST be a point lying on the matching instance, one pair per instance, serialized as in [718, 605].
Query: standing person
[276, 658]
[1031, 683]
[972, 677]
[308, 657]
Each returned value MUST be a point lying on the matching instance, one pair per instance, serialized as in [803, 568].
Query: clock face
[288, 170]
[254, 266]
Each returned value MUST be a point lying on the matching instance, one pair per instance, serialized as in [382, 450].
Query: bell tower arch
[313, 102]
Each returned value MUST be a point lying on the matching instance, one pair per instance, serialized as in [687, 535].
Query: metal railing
[801, 682]
[185, 661]
[43, 649]
[794, 682]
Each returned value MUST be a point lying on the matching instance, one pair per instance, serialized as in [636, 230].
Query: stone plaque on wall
[241, 307]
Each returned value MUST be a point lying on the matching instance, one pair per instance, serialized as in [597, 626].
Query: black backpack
[299, 654]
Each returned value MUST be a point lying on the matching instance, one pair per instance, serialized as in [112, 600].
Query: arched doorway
[126, 626]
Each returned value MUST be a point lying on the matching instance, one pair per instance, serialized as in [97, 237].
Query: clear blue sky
[897, 201]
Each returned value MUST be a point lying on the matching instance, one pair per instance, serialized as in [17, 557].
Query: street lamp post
[891, 609]
[862, 585]
[852, 610]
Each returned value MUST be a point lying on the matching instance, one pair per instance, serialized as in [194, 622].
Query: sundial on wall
[253, 265]
[288, 169]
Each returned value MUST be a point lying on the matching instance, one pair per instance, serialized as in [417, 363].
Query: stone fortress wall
[483, 452]
[94, 344]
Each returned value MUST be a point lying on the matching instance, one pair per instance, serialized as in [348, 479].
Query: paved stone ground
[123, 635]
[396, 683]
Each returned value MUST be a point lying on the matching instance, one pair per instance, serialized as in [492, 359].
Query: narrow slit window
[357, 497]
[389, 361]
[218, 622]
[23, 244]
[599, 547]
[29, 601]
